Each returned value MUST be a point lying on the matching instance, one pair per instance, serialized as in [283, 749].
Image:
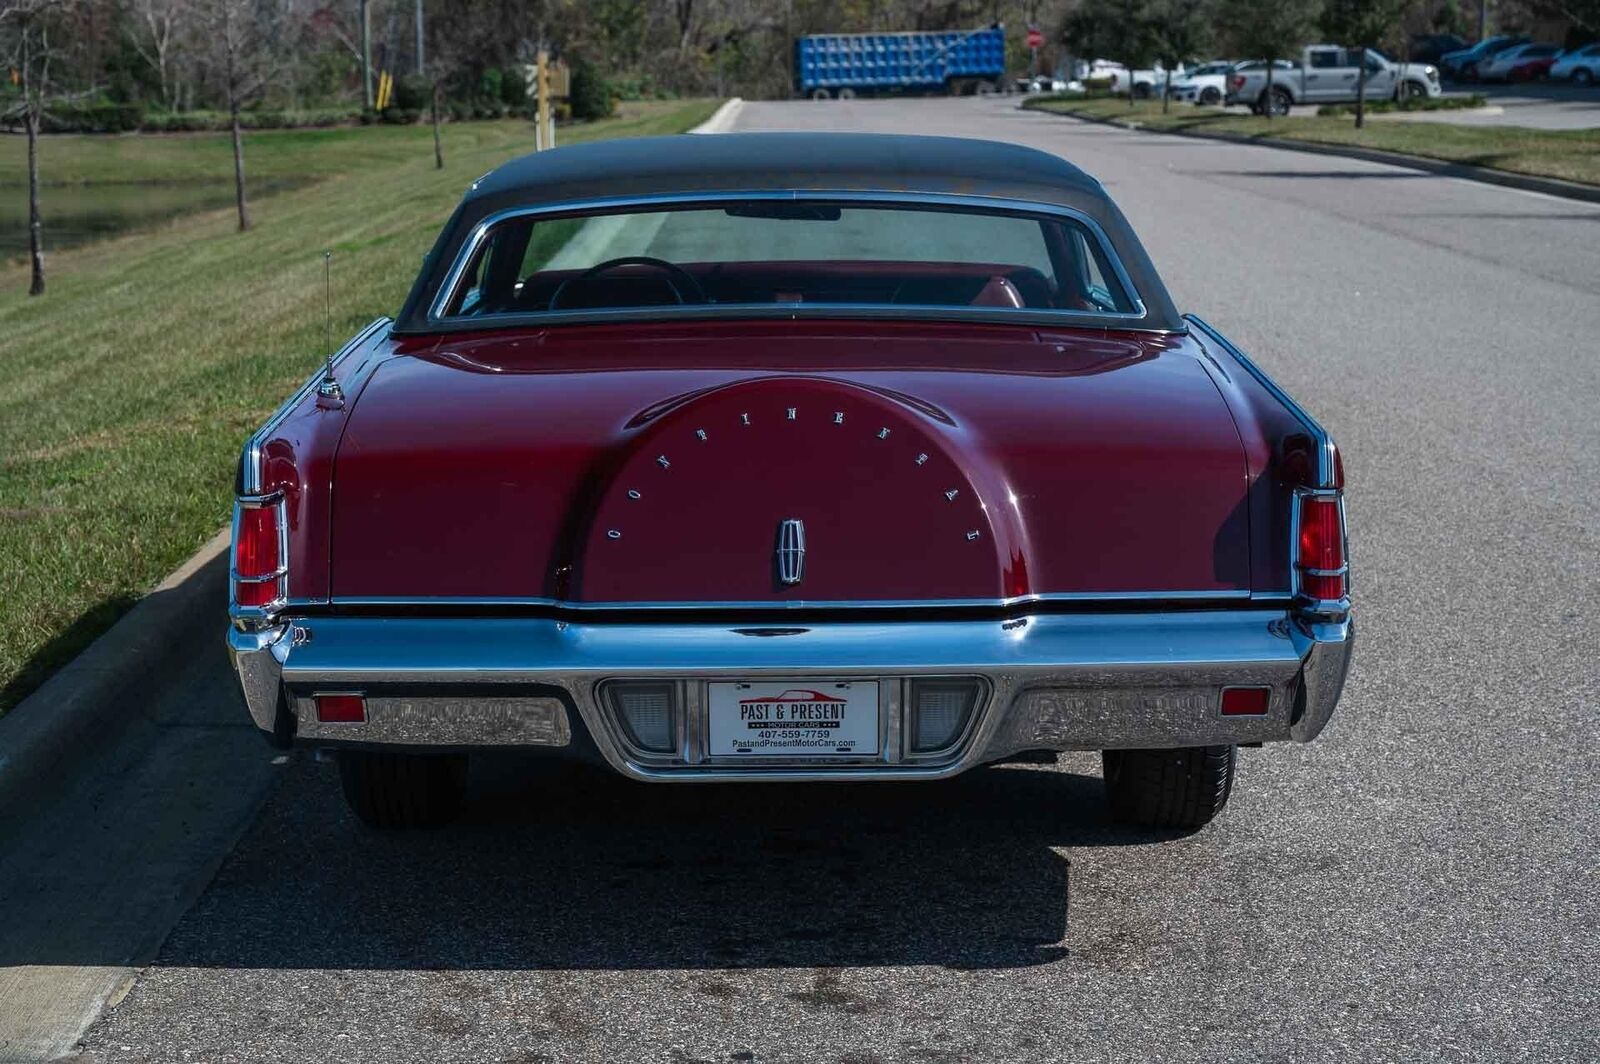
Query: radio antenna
[329, 388]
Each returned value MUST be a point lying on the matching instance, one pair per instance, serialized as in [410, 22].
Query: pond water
[77, 214]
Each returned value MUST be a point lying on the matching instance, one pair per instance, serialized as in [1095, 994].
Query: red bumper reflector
[341, 709]
[1245, 701]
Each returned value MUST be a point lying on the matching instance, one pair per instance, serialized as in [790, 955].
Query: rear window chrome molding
[439, 321]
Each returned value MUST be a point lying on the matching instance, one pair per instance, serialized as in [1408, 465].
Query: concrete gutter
[722, 119]
[84, 702]
[1550, 186]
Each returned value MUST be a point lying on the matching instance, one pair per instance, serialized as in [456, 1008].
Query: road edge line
[69, 715]
[1549, 186]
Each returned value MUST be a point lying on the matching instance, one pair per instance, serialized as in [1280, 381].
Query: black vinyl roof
[752, 162]
[801, 162]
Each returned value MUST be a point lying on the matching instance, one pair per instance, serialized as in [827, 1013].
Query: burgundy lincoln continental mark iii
[790, 457]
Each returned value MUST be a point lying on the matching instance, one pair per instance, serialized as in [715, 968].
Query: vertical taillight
[259, 543]
[1319, 547]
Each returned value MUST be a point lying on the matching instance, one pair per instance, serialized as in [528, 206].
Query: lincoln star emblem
[791, 550]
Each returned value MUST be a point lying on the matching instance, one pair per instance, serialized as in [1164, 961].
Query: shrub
[96, 116]
[413, 93]
[1415, 103]
[590, 92]
[513, 88]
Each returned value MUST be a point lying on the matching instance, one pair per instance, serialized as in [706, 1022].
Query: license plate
[806, 719]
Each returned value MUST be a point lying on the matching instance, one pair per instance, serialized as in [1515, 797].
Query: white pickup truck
[1329, 74]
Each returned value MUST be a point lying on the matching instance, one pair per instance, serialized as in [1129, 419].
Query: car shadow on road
[568, 867]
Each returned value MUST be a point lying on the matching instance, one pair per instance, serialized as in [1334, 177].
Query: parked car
[1330, 74]
[1578, 65]
[1432, 47]
[1204, 84]
[1045, 83]
[796, 457]
[1523, 62]
[1463, 65]
[1144, 84]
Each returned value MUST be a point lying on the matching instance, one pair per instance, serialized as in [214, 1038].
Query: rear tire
[847, 94]
[1582, 76]
[821, 94]
[1277, 103]
[1181, 788]
[403, 790]
[1210, 96]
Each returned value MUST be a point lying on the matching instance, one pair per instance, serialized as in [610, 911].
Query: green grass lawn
[131, 384]
[1570, 154]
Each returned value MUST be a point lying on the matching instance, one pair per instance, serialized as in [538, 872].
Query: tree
[1268, 30]
[1362, 23]
[1121, 29]
[157, 27]
[1182, 31]
[235, 32]
[27, 24]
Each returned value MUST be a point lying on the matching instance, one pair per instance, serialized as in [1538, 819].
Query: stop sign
[1035, 38]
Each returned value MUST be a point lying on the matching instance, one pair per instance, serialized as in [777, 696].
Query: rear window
[786, 253]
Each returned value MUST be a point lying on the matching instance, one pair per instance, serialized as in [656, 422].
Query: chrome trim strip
[469, 249]
[865, 605]
[250, 460]
[1055, 681]
[1318, 433]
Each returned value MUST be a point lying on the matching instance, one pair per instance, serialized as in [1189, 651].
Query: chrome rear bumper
[1055, 681]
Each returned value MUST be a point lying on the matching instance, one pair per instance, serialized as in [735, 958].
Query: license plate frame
[794, 720]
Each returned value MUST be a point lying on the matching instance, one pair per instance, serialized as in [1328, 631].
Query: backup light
[647, 712]
[259, 564]
[939, 710]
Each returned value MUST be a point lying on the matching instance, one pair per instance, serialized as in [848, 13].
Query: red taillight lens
[258, 552]
[1320, 551]
[1236, 82]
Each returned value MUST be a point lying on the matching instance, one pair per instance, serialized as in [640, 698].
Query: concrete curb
[722, 119]
[80, 705]
[1550, 186]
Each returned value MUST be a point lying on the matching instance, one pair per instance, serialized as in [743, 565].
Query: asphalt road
[1419, 884]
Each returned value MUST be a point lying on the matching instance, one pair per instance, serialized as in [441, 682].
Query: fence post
[545, 117]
